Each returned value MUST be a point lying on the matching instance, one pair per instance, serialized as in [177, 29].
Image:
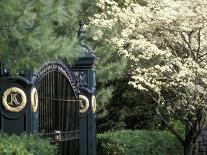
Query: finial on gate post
[81, 32]
[84, 70]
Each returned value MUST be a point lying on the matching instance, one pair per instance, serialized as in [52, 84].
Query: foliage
[34, 31]
[166, 44]
[136, 108]
[111, 68]
[138, 142]
[127, 108]
[116, 100]
[25, 145]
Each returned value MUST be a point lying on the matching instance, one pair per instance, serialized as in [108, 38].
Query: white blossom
[166, 39]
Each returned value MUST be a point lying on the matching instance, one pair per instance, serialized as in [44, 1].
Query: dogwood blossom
[166, 39]
[166, 43]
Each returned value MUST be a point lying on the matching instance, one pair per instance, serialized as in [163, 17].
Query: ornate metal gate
[58, 107]
[57, 115]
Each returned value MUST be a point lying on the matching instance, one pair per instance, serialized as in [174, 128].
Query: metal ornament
[14, 99]
[34, 99]
[57, 135]
[93, 104]
[84, 108]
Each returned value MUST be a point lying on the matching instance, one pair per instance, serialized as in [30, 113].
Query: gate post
[18, 104]
[84, 73]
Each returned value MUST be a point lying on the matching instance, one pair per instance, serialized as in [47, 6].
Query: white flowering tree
[166, 41]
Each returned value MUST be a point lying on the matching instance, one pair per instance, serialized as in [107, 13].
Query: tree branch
[199, 43]
[179, 137]
[170, 128]
[204, 54]
[188, 43]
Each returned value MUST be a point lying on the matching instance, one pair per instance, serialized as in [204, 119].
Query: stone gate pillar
[84, 72]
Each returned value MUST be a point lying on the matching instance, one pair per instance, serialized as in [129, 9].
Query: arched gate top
[59, 66]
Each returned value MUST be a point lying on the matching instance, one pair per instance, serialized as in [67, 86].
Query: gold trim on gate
[93, 104]
[82, 107]
[34, 99]
[12, 93]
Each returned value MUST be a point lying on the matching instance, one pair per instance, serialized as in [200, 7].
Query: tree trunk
[188, 149]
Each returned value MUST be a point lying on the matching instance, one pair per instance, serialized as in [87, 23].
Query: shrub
[25, 145]
[138, 142]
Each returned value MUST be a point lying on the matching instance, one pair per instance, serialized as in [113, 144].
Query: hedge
[138, 142]
[25, 145]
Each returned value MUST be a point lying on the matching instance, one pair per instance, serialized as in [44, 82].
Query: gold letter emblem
[14, 99]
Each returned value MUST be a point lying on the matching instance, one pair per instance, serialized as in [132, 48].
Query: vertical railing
[59, 111]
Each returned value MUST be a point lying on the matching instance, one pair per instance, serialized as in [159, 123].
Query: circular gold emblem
[34, 99]
[84, 103]
[14, 99]
[93, 104]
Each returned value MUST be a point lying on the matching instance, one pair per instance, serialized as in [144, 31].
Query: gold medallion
[84, 103]
[14, 99]
[34, 99]
[93, 104]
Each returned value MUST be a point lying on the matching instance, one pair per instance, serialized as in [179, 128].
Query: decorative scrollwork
[82, 78]
[93, 104]
[34, 99]
[84, 103]
[60, 66]
[14, 99]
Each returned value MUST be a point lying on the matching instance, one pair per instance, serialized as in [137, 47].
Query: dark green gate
[56, 116]
[58, 107]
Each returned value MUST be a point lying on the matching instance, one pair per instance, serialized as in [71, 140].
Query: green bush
[25, 145]
[138, 142]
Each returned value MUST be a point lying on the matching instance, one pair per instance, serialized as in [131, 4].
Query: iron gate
[58, 107]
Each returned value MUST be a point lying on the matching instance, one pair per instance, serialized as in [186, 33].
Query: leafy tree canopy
[166, 43]
[120, 106]
[32, 32]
